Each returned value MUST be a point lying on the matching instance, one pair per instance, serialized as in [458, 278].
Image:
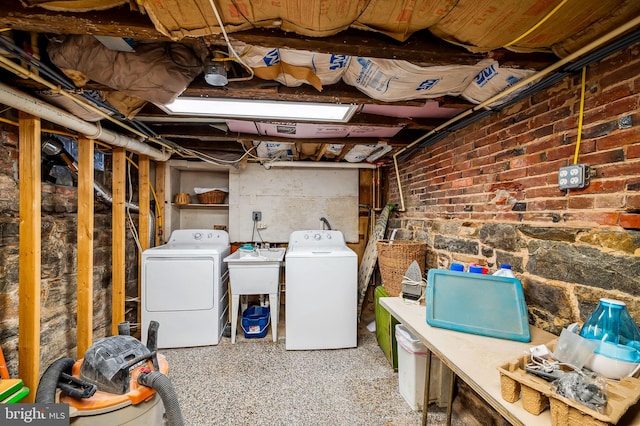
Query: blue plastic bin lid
[482, 304]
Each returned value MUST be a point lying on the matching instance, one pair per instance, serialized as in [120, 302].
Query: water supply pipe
[24, 102]
[509, 90]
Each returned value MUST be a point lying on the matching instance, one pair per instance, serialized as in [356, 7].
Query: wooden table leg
[452, 387]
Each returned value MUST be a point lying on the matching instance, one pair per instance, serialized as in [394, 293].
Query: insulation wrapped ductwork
[293, 67]
[493, 80]
[155, 72]
[390, 80]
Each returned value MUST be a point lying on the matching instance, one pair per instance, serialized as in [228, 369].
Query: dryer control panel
[207, 236]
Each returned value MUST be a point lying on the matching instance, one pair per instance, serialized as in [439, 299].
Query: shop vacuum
[120, 381]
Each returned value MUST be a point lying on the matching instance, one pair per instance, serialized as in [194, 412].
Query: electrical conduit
[34, 106]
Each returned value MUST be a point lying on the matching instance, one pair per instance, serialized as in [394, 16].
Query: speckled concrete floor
[258, 382]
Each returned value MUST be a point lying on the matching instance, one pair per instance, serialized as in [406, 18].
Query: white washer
[184, 288]
[321, 291]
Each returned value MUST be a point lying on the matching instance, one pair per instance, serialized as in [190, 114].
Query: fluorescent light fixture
[261, 110]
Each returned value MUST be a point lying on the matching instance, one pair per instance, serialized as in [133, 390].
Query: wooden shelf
[199, 206]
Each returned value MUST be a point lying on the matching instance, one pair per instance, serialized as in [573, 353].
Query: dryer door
[179, 284]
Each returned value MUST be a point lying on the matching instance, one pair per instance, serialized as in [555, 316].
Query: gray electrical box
[573, 177]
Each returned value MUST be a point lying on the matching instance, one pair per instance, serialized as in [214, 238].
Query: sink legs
[235, 301]
[274, 304]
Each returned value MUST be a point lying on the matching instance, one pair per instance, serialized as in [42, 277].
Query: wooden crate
[537, 396]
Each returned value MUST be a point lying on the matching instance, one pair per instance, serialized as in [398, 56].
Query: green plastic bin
[385, 328]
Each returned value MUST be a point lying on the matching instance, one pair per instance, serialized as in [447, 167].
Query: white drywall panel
[292, 199]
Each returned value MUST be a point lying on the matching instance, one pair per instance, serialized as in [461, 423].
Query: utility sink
[255, 273]
[259, 255]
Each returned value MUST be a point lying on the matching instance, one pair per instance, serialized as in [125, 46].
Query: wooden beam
[118, 238]
[30, 252]
[421, 48]
[143, 220]
[116, 22]
[340, 92]
[160, 196]
[85, 245]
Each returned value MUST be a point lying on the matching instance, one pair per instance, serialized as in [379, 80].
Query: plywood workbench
[471, 357]
[475, 360]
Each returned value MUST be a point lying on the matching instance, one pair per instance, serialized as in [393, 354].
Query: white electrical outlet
[262, 225]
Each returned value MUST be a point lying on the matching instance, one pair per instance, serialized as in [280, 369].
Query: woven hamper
[394, 260]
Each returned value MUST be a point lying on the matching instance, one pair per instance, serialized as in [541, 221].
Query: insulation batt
[155, 72]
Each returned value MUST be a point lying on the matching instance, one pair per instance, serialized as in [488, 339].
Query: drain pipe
[522, 83]
[23, 102]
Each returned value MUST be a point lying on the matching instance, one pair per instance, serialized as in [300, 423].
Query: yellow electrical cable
[18, 70]
[582, 90]
[153, 192]
[6, 120]
[56, 132]
[532, 29]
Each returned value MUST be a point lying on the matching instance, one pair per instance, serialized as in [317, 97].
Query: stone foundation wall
[59, 264]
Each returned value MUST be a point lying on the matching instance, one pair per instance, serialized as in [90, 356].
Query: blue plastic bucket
[255, 321]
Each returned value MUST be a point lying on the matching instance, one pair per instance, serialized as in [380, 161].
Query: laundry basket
[395, 258]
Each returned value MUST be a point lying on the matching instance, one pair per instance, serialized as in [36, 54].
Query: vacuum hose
[163, 386]
[46, 392]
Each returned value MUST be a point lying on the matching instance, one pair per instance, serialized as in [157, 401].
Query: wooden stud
[160, 197]
[144, 184]
[30, 252]
[143, 218]
[85, 245]
[321, 151]
[118, 236]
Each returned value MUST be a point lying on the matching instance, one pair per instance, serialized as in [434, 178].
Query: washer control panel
[316, 238]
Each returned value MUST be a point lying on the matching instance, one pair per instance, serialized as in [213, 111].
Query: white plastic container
[412, 363]
[504, 271]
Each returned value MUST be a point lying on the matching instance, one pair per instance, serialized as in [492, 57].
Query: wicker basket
[394, 260]
[182, 198]
[212, 197]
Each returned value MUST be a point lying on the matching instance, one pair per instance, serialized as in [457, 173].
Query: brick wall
[59, 264]
[489, 194]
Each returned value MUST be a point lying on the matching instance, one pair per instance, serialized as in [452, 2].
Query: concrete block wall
[489, 194]
[59, 264]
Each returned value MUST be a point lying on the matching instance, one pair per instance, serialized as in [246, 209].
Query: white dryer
[184, 288]
[321, 288]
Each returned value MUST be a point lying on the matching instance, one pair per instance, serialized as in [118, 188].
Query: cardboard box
[538, 395]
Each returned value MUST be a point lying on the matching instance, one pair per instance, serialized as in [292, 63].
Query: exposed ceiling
[471, 38]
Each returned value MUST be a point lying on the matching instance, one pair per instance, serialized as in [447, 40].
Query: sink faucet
[325, 222]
